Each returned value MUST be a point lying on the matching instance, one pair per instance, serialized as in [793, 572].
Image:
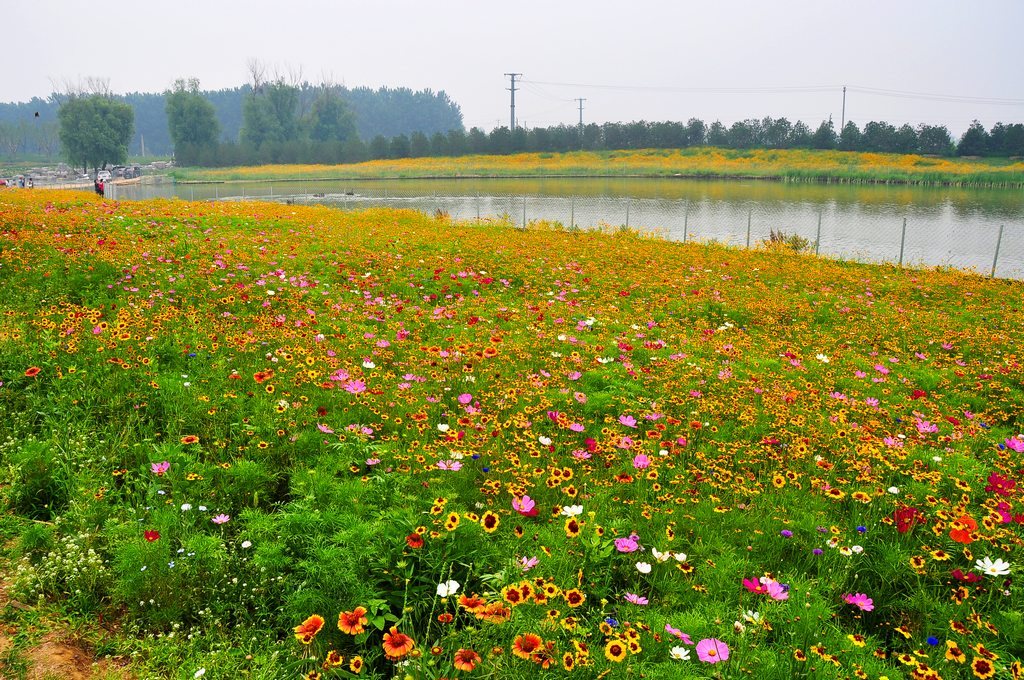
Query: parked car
[103, 175]
[132, 172]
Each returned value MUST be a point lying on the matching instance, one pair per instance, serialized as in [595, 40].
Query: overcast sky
[669, 60]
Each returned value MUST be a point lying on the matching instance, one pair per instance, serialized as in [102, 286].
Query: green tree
[95, 131]
[934, 139]
[270, 114]
[974, 142]
[191, 120]
[330, 119]
[850, 137]
[825, 136]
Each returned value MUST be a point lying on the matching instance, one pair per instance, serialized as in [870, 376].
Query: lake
[949, 226]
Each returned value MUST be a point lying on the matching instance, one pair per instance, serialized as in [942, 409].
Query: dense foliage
[94, 131]
[275, 441]
[382, 111]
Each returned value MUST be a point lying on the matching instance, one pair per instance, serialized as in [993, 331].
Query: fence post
[572, 213]
[817, 239]
[903, 237]
[750, 214]
[271, 189]
[995, 259]
[216, 192]
[686, 221]
[524, 212]
[191, 193]
[243, 192]
[478, 206]
[627, 206]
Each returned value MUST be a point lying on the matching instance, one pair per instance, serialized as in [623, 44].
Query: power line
[905, 94]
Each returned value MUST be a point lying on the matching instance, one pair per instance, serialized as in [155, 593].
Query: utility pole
[580, 100]
[842, 122]
[512, 119]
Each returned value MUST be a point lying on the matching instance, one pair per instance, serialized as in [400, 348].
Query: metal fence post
[627, 207]
[271, 189]
[191, 193]
[572, 212]
[903, 238]
[750, 214]
[477, 206]
[524, 212]
[686, 220]
[995, 259]
[817, 239]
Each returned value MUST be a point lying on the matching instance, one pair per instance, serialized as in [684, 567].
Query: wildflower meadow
[272, 441]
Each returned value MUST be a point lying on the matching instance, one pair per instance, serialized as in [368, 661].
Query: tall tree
[825, 136]
[191, 119]
[850, 137]
[95, 131]
[974, 142]
[934, 139]
[330, 119]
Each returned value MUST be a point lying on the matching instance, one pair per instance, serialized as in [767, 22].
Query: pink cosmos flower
[860, 600]
[355, 386]
[324, 428]
[628, 421]
[712, 650]
[641, 461]
[1015, 444]
[465, 398]
[679, 634]
[628, 545]
[755, 586]
[221, 519]
[528, 563]
[452, 465]
[777, 591]
[159, 469]
[525, 506]
[636, 599]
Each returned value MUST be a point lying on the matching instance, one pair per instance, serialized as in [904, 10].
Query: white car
[103, 175]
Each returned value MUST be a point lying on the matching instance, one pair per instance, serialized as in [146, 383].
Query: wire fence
[991, 243]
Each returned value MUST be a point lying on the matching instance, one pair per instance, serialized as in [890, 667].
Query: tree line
[767, 133]
[381, 111]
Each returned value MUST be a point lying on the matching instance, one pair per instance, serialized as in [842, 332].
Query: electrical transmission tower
[512, 119]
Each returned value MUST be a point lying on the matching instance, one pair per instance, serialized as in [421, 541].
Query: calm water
[944, 225]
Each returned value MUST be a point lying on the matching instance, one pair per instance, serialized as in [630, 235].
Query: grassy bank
[279, 441]
[790, 165]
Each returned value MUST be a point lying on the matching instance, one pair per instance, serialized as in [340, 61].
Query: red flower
[152, 535]
[397, 645]
[414, 541]
[32, 371]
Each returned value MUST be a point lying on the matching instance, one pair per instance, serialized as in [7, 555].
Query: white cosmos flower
[447, 588]
[990, 568]
[369, 364]
[572, 510]
[660, 556]
[443, 427]
[680, 557]
[823, 358]
[545, 441]
[893, 490]
[680, 653]
[643, 567]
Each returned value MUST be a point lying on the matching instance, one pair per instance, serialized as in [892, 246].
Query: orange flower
[189, 439]
[527, 644]
[962, 529]
[397, 645]
[307, 630]
[466, 659]
[32, 371]
[352, 622]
